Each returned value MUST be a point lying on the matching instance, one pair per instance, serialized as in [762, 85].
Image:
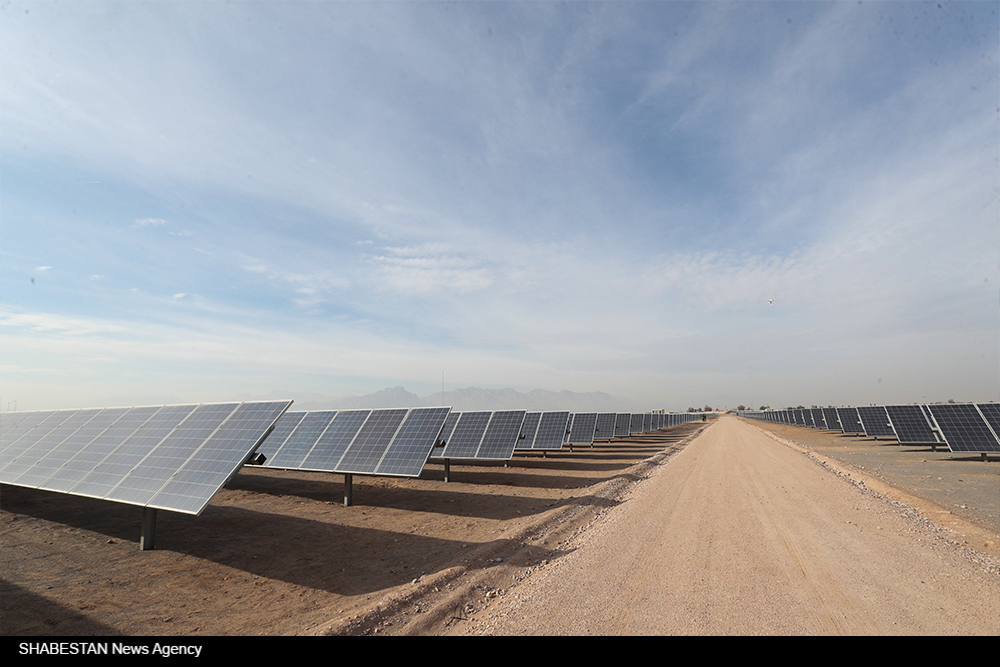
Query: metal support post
[148, 529]
[447, 470]
[348, 490]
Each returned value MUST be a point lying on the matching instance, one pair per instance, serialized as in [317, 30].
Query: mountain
[474, 398]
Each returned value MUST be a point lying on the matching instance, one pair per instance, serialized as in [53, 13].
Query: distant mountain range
[474, 398]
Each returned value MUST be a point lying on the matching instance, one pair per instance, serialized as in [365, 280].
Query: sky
[680, 204]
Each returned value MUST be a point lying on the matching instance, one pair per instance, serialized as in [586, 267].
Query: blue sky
[208, 201]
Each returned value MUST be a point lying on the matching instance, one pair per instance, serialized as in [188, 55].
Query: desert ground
[734, 523]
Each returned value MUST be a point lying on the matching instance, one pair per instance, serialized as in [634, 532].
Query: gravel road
[741, 534]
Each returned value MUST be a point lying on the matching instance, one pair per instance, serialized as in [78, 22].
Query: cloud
[149, 222]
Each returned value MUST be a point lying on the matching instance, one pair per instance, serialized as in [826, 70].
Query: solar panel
[302, 439]
[467, 436]
[910, 425]
[623, 421]
[991, 413]
[605, 428]
[875, 421]
[501, 435]
[964, 428]
[274, 441]
[161, 457]
[218, 458]
[528, 429]
[409, 450]
[90, 456]
[146, 478]
[48, 454]
[449, 426]
[830, 417]
[551, 430]
[582, 430]
[330, 447]
[636, 424]
[849, 420]
[371, 442]
[569, 427]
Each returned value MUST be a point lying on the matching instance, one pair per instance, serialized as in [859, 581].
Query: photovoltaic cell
[371, 442]
[528, 429]
[830, 417]
[59, 457]
[623, 422]
[849, 420]
[467, 436]
[409, 450]
[991, 413]
[87, 460]
[582, 431]
[218, 458]
[605, 428]
[331, 445]
[875, 421]
[964, 428]
[303, 437]
[149, 476]
[288, 422]
[179, 455]
[501, 435]
[551, 430]
[449, 426]
[134, 436]
[36, 464]
[910, 425]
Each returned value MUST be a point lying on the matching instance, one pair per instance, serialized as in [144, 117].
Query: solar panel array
[393, 442]
[172, 457]
[962, 427]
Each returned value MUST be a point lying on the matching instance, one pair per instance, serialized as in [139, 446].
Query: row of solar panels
[328, 441]
[176, 457]
[173, 457]
[962, 427]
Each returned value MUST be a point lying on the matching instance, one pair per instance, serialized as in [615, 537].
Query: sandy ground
[742, 534]
[277, 553]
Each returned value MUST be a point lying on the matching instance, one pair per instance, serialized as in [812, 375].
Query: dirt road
[741, 534]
